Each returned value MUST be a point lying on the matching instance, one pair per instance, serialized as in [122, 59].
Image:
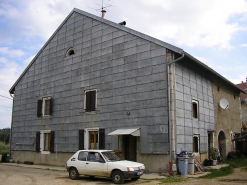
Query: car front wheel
[73, 173]
[117, 177]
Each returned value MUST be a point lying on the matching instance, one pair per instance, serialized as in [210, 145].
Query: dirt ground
[237, 178]
[13, 175]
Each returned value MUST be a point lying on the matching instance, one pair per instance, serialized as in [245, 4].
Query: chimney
[103, 13]
[122, 23]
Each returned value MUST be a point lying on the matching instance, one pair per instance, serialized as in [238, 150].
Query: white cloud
[243, 45]
[201, 23]
[204, 23]
[11, 52]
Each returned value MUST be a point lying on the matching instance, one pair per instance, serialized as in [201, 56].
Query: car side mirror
[73, 159]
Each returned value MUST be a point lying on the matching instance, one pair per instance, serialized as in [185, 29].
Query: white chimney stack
[103, 13]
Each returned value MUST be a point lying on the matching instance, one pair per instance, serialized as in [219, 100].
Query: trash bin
[183, 165]
[191, 165]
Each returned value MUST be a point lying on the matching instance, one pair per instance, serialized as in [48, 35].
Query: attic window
[70, 51]
[234, 96]
[218, 88]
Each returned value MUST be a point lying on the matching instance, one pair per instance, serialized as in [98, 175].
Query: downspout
[171, 136]
[10, 136]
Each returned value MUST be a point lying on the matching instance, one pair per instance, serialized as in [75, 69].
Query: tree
[4, 135]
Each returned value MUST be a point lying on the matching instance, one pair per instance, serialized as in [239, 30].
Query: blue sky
[213, 31]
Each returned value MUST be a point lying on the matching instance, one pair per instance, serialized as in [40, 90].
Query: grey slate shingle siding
[128, 72]
[192, 83]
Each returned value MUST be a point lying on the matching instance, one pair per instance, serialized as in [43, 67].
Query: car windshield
[111, 156]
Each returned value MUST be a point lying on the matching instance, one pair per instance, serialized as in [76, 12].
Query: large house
[96, 84]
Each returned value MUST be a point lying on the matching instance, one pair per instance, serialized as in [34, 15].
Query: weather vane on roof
[103, 7]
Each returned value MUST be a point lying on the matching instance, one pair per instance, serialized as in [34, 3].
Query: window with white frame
[45, 141]
[195, 109]
[90, 100]
[92, 138]
[196, 143]
[44, 107]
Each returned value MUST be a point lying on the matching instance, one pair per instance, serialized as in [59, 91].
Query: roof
[243, 85]
[131, 31]
[211, 71]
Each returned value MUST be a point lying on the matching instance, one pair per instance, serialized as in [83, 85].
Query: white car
[103, 163]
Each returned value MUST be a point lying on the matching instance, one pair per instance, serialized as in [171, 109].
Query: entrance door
[222, 143]
[129, 144]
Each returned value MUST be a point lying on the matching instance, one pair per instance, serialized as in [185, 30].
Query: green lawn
[233, 163]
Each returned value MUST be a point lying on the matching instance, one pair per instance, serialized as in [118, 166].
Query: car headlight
[130, 169]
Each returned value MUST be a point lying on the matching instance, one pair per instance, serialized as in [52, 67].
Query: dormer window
[70, 51]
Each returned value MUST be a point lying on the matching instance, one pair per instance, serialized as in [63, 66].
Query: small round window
[70, 51]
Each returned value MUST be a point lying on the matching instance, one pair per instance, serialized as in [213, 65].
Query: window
[218, 88]
[82, 156]
[90, 100]
[195, 109]
[45, 141]
[94, 157]
[47, 137]
[44, 107]
[92, 138]
[70, 51]
[196, 143]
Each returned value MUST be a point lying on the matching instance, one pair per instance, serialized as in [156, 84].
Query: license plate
[140, 173]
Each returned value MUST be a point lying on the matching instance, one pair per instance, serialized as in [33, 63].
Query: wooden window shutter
[51, 103]
[39, 108]
[37, 141]
[88, 101]
[81, 139]
[93, 98]
[52, 139]
[101, 138]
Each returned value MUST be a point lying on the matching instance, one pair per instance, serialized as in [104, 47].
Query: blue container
[183, 165]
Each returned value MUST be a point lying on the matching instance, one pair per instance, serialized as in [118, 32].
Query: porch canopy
[126, 131]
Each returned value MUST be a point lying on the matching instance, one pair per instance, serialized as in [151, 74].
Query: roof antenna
[103, 7]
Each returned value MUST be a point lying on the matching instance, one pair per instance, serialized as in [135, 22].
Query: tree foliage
[4, 135]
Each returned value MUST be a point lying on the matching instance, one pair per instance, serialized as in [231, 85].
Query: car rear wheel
[117, 177]
[73, 173]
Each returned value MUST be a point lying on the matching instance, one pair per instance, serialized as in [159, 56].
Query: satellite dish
[224, 104]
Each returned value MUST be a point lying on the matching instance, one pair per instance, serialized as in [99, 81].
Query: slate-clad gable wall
[192, 83]
[128, 72]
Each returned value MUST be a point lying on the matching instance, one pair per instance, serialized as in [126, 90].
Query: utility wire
[6, 97]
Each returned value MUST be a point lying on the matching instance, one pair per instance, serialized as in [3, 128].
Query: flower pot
[214, 162]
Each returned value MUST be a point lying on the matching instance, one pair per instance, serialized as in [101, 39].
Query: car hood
[128, 163]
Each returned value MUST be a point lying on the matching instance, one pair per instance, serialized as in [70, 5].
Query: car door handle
[86, 163]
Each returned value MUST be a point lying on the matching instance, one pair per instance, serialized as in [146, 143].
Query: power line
[6, 97]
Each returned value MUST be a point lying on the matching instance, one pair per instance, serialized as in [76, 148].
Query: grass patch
[233, 163]
[237, 163]
[244, 169]
[219, 173]
[171, 180]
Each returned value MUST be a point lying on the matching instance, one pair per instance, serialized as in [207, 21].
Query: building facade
[96, 84]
